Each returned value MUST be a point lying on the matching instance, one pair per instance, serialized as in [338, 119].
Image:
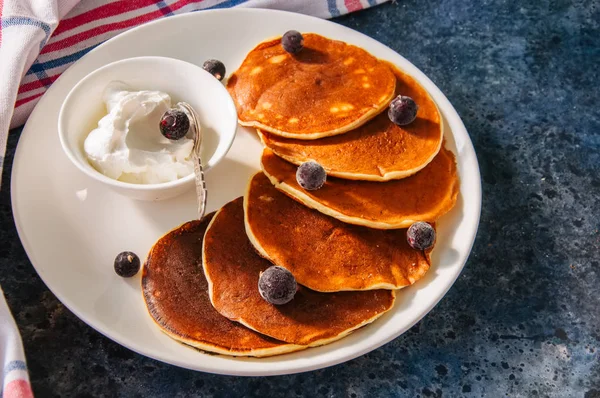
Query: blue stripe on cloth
[227, 4]
[164, 8]
[333, 8]
[53, 63]
[372, 2]
[14, 365]
[39, 72]
[21, 21]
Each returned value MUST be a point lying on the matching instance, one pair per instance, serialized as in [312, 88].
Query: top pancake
[327, 88]
[378, 150]
[233, 268]
[176, 295]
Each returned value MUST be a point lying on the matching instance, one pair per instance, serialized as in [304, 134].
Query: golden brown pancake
[232, 268]
[324, 253]
[328, 88]
[176, 295]
[424, 196]
[378, 150]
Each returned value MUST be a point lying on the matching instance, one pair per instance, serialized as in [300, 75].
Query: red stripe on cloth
[353, 5]
[28, 99]
[138, 20]
[18, 389]
[37, 84]
[105, 11]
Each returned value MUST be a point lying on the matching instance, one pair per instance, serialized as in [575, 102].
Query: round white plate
[72, 226]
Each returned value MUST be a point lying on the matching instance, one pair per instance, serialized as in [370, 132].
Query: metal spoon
[201, 192]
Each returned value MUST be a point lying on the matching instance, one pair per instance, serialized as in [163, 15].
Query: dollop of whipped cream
[127, 144]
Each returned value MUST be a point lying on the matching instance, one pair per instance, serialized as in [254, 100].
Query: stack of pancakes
[345, 243]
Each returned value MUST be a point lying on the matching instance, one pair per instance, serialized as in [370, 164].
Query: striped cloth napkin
[39, 39]
[35, 48]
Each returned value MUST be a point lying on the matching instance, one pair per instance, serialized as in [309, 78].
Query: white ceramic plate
[72, 226]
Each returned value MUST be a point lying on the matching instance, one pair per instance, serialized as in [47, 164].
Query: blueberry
[174, 124]
[403, 110]
[215, 68]
[420, 235]
[277, 285]
[311, 175]
[292, 41]
[127, 264]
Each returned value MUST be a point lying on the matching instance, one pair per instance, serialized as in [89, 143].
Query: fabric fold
[15, 379]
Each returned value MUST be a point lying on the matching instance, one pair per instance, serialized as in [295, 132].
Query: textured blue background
[523, 318]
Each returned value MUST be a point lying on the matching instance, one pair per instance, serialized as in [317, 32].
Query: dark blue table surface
[523, 318]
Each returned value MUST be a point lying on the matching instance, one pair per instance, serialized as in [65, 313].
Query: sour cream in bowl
[109, 125]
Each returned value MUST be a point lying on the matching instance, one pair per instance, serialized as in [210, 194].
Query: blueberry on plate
[420, 235]
[292, 41]
[403, 110]
[174, 124]
[127, 264]
[277, 285]
[311, 175]
[215, 68]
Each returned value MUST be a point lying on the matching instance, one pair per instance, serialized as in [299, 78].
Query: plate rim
[452, 118]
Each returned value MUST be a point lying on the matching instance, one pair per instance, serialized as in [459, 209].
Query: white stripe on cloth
[99, 22]
[85, 6]
[314, 8]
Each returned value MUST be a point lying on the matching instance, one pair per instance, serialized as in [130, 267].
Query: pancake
[328, 88]
[324, 253]
[377, 151]
[425, 196]
[232, 268]
[176, 295]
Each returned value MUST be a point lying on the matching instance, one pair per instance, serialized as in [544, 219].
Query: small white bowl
[83, 108]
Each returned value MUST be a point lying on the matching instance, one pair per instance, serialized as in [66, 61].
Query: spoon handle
[201, 192]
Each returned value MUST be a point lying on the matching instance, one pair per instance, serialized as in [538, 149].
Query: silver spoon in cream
[174, 127]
